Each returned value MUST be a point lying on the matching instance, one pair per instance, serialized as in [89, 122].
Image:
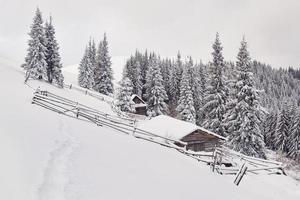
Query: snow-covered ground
[47, 156]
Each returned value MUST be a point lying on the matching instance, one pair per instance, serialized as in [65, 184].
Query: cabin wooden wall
[201, 141]
[141, 110]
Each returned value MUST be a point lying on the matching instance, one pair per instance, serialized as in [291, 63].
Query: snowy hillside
[47, 156]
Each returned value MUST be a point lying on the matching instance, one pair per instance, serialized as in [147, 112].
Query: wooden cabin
[196, 137]
[202, 140]
[139, 105]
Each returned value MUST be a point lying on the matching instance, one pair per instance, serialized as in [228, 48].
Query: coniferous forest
[251, 103]
[254, 105]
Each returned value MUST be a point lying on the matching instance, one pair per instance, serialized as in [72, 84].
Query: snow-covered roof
[172, 128]
[136, 96]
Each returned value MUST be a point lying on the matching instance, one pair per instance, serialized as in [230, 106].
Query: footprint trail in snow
[56, 176]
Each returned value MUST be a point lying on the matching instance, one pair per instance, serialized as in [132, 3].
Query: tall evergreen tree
[200, 93]
[104, 72]
[216, 93]
[52, 56]
[283, 129]
[196, 84]
[133, 68]
[35, 61]
[124, 94]
[270, 125]
[81, 68]
[244, 119]
[165, 70]
[86, 68]
[155, 92]
[185, 106]
[293, 144]
[143, 70]
[175, 78]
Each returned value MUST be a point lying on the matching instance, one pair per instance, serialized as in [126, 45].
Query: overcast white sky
[272, 27]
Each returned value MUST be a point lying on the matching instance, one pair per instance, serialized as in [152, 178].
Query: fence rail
[98, 96]
[223, 154]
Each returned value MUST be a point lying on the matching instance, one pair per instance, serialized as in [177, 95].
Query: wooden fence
[218, 160]
[98, 96]
[121, 124]
[254, 165]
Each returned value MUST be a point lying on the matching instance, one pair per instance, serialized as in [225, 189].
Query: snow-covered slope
[48, 156]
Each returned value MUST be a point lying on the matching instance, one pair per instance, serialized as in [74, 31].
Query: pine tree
[103, 72]
[143, 71]
[82, 67]
[175, 77]
[52, 56]
[200, 93]
[86, 68]
[124, 101]
[283, 129]
[293, 145]
[244, 119]
[173, 87]
[270, 125]
[197, 87]
[155, 92]
[165, 71]
[93, 55]
[185, 106]
[216, 93]
[35, 61]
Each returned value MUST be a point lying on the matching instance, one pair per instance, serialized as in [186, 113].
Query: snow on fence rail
[255, 165]
[98, 96]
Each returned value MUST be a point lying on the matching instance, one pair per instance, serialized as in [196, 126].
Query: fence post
[76, 107]
[96, 118]
[215, 159]
[240, 174]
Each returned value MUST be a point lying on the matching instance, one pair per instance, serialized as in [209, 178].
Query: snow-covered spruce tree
[104, 72]
[294, 139]
[86, 68]
[185, 108]
[173, 87]
[200, 92]
[52, 56]
[137, 69]
[196, 87]
[81, 68]
[284, 125]
[134, 73]
[155, 92]
[35, 61]
[175, 77]
[165, 71]
[269, 130]
[93, 52]
[124, 94]
[216, 93]
[143, 70]
[244, 118]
